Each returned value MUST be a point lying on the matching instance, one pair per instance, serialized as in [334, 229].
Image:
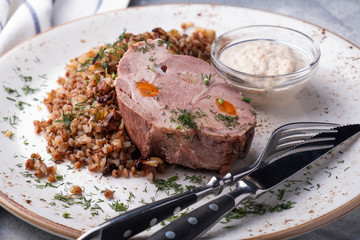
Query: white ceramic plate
[323, 193]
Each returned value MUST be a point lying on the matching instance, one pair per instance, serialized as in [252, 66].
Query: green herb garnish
[152, 58]
[280, 194]
[81, 105]
[13, 120]
[160, 42]
[59, 177]
[118, 206]
[122, 36]
[131, 197]
[194, 179]
[26, 78]
[187, 119]
[47, 184]
[146, 48]
[206, 78]
[21, 104]
[27, 90]
[255, 208]
[11, 90]
[227, 120]
[246, 99]
[67, 119]
[167, 185]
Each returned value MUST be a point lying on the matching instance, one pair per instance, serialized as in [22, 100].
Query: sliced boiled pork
[178, 108]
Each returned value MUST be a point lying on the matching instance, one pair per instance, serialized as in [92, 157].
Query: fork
[282, 141]
[195, 223]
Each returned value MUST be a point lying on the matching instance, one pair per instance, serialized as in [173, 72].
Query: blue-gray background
[339, 16]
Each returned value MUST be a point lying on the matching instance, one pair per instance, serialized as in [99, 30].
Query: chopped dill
[13, 120]
[26, 78]
[87, 62]
[27, 174]
[280, 194]
[122, 36]
[130, 198]
[160, 42]
[227, 120]
[187, 119]
[27, 90]
[63, 198]
[152, 58]
[43, 76]
[81, 105]
[47, 184]
[67, 119]
[252, 207]
[142, 49]
[168, 184]
[165, 107]
[11, 90]
[59, 177]
[20, 105]
[194, 179]
[118, 206]
[190, 187]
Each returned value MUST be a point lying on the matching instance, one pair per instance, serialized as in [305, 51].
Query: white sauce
[261, 57]
[265, 58]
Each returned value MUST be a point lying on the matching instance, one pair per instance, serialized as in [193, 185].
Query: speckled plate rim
[36, 220]
[71, 233]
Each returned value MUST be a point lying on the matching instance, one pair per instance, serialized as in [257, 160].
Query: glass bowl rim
[302, 71]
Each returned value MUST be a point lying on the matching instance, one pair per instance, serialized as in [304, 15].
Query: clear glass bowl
[263, 90]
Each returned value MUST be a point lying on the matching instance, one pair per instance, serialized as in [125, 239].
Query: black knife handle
[198, 221]
[142, 218]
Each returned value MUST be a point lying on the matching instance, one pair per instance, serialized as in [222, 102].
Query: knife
[141, 218]
[266, 177]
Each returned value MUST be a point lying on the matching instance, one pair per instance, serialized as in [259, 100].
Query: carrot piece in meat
[225, 106]
[147, 89]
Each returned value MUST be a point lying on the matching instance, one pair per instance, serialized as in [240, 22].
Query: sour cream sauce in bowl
[268, 64]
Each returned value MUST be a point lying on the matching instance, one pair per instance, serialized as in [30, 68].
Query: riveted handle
[142, 218]
[198, 221]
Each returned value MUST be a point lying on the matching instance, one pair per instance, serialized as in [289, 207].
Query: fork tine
[294, 134]
[297, 139]
[306, 127]
[326, 143]
[284, 139]
[306, 145]
[288, 136]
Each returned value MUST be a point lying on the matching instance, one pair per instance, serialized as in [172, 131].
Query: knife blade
[141, 218]
[197, 222]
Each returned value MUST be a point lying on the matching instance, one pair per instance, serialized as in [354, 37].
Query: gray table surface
[339, 16]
